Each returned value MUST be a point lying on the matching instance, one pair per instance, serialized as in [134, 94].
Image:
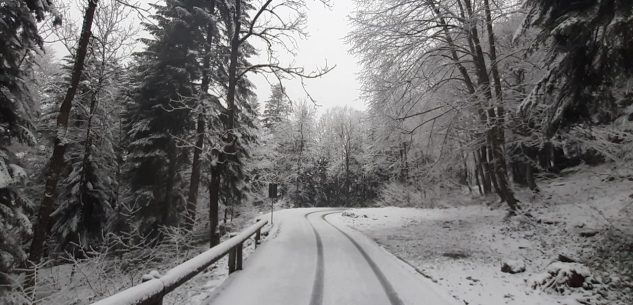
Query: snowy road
[312, 260]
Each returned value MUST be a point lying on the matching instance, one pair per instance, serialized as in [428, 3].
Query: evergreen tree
[277, 107]
[87, 191]
[19, 38]
[161, 112]
[226, 159]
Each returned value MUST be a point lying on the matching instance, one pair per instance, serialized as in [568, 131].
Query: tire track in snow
[316, 298]
[394, 299]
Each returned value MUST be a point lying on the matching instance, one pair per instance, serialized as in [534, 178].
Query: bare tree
[268, 25]
[414, 51]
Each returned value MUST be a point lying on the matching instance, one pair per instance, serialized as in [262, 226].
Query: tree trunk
[57, 159]
[484, 169]
[529, 177]
[169, 214]
[214, 191]
[466, 177]
[229, 140]
[478, 174]
[494, 134]
[192, 198]
[235, 52]
[299, 160]
[519, 171]
[498, 132]
[194, 182]
[404, 172]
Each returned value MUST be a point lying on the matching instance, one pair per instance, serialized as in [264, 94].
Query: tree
[57, 159]
[210, 70]
[340, 146]
[290, 142]
[277, 107]
[413, 52]
[302, 120]
[161, 113]
[19, 39]
[88, 192]
[267, 25]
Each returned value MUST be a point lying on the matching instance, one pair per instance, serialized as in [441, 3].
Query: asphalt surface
[312, 259]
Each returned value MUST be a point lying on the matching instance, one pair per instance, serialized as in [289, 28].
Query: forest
[149, 133]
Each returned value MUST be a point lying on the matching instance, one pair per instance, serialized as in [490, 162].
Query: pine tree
[87, 191]
[207, 103]
[161, 112]
[226, 159]
[277, 107]
[19, 38]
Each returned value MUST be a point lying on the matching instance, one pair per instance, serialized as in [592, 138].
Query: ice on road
[312, 259]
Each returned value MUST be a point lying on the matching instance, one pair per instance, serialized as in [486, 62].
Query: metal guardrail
[152, 291]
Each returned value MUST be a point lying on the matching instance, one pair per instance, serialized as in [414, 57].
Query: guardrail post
[258, 236]
[238, 258]
[232, 254]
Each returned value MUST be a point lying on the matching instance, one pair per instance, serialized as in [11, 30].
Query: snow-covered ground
[586, 216]
[95, 278]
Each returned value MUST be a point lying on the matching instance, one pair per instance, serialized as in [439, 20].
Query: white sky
[326, 28]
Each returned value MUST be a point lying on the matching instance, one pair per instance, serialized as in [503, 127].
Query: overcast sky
[327, 28]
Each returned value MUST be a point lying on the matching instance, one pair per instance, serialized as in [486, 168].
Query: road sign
[272, 190]
[272, 194]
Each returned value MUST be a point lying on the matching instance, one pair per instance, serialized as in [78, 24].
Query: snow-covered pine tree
[207, 106]
[234, 180]
[161, 112]
[87, 189]
[227, 177]
[277, 107]
[19, 38]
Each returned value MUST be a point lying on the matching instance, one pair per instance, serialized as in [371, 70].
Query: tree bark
[57, 159]
[478, 174]
[169, 214]
[497, 131]
[214, 191]
[194, 181]
[229, 140]
[494, 134]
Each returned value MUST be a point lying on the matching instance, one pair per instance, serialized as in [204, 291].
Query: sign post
[272, 194]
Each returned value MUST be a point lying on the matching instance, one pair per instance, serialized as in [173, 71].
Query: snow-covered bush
[560, 276]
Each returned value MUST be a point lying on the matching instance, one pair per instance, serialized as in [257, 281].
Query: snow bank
[462, 248]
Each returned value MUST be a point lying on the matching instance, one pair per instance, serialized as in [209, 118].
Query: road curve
[313, 260]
